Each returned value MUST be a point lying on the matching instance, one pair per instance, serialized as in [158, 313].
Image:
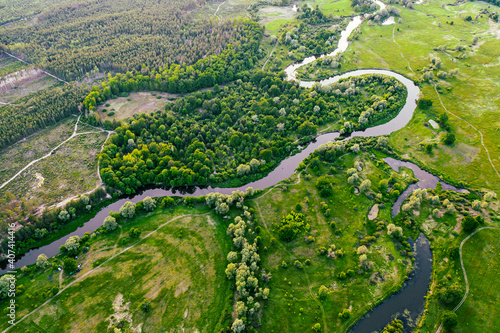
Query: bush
[448, 139]
[322, 292]
[149, 204]
[134, 233]
[449, 319]
[469, 223]
[291, 225]
[69, 265]
[449, 295]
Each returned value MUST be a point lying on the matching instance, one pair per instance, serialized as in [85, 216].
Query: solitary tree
[72, 245]
[42, 261]
[128, 209]
[110, 223]
[69, 265]
[149, 204]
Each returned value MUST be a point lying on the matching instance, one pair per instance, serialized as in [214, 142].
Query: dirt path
[215, 14]
[480, 134]
[271, 54]
[97, 267]
[401, 50]
[463, 270]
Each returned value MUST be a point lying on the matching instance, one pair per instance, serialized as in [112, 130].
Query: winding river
[285, 169]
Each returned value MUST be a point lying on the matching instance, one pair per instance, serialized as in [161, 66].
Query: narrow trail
[480, 134]
[97, 267]
[60, 279]
[271, 54]
[45, 72]
[463, 270]
[215, 14]
[401, 50]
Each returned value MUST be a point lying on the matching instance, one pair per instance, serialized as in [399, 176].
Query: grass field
[18, 155]
[71, 170]
[294, 304]
[179, 271]
[138, 102]
[480, 311]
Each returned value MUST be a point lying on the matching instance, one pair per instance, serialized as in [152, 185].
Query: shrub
[322, 292]
[69, 265]
[291, 225]
[449, 319]
[469, 223]
[134, 233]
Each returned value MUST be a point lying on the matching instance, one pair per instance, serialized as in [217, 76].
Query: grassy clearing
[139, 102]
[294, 304]
[18, 155]
[480, 311]
[71, 170]
[472, 95]
[179, 271]
[40, 83]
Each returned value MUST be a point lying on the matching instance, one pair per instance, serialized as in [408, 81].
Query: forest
[36, 111]
[242, 129]
[71, 40]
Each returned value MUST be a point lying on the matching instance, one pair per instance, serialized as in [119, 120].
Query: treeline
[35, 228]
[38, 110]
[119, 36]
[183, 78]
[244, 129]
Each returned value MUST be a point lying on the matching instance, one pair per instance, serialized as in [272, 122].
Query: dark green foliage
[469, 223]
[449, 295]
[207, 131]
[134, 233]
[424, 103]
[38, 110]
[324, 186]
[291, 225]
[69, 265]
[120, 36]
[449, 319]
[449, 139]
[312, 16]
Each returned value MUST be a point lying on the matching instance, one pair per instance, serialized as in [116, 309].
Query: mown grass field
[294, 304]
[472, 95]
[179, 271]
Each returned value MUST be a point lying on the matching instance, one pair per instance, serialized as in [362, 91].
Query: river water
[408, 303]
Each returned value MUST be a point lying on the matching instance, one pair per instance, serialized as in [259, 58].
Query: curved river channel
[415, 288]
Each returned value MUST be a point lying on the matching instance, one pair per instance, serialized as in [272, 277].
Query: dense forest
[72, 39]
[245, 128]
[38, 110]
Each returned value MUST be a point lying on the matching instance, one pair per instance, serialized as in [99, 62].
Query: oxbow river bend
[415, 288]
